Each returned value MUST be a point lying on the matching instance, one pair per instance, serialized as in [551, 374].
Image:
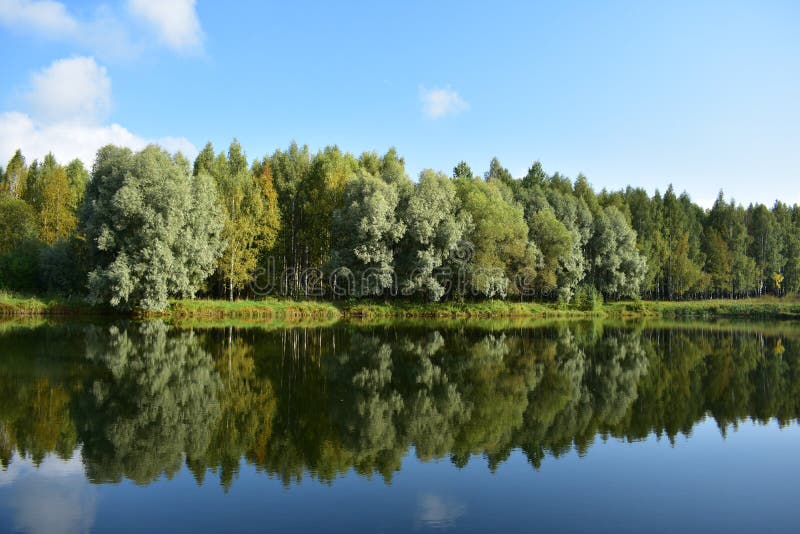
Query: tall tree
[290, 170]
[246, 230]
[204, 162]
[718, 261]
[271, 220]
[500, 250]
[17, 224]
[617, 267]
[462, 170]
[498, 172]
[556, 244]
[788, 218]
[14, 178]
[366, 230]
[152, 230]
[435, 225]
[78, 179]
[53, 200]
[766, 237]
[323, 193]
[728, 220]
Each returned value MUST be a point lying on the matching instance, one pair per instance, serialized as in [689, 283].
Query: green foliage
[17, 224]
[435, 225]
[48, 191]
[323, 191]
[587, 298]
[499, 173]
[462, 170]
[152, 231]
[62, 267]
[366, 229]
[15, 177]
[78, 179]
[249, 207]
[157, 403]
[617, 267]
[556, 244]
[312, 225]
[19, 269]
[499, 239]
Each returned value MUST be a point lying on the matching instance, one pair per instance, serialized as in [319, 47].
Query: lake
[400, 426]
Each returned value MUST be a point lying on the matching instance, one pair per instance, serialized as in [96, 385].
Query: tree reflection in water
[141, 400]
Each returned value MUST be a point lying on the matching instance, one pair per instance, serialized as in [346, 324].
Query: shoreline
[289, 310]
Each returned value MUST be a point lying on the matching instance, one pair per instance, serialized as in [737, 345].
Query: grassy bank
[262, 310]
[27, 306]
[763, 307]
[269, 309]
[457, 310]
[288, 310]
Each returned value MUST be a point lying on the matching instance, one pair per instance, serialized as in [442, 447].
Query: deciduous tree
[152, 230]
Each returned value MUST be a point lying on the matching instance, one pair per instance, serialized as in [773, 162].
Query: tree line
[146, 226]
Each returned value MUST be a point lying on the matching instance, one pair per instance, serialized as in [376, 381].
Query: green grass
[269, 309]
[455, 310]
[773, 307]
[22, 305]
[292, 311]
[764, 307]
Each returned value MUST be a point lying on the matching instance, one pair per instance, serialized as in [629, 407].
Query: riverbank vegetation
[146, 228]
[289, 310]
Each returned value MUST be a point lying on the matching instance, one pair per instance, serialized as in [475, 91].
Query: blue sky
[704, 95]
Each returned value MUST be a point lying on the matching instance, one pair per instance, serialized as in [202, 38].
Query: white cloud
[175, 22]
[52, 496]
[70, 101]
[104, 34]
[44, 16]
[435, 511]
[107, 33]
[178, 144]
[440, 102]
[68, 140]
[75, 89]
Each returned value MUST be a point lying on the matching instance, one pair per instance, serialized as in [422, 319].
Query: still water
[471, 426]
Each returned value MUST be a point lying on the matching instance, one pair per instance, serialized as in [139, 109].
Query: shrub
[19, 269]
[587, 298]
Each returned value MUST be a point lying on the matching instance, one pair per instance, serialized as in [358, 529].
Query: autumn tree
[250, 222]
[49, 193]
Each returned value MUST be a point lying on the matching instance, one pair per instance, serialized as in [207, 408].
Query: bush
[62, 268]
[19, 269]
[635, 306]
[587, 298]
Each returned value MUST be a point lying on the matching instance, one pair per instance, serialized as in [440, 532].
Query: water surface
[470, 426]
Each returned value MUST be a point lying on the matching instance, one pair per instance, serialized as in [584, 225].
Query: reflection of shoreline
[53, 497]
[146, 400]
[438, 511]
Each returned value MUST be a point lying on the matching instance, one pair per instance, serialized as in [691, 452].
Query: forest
[143, 227]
